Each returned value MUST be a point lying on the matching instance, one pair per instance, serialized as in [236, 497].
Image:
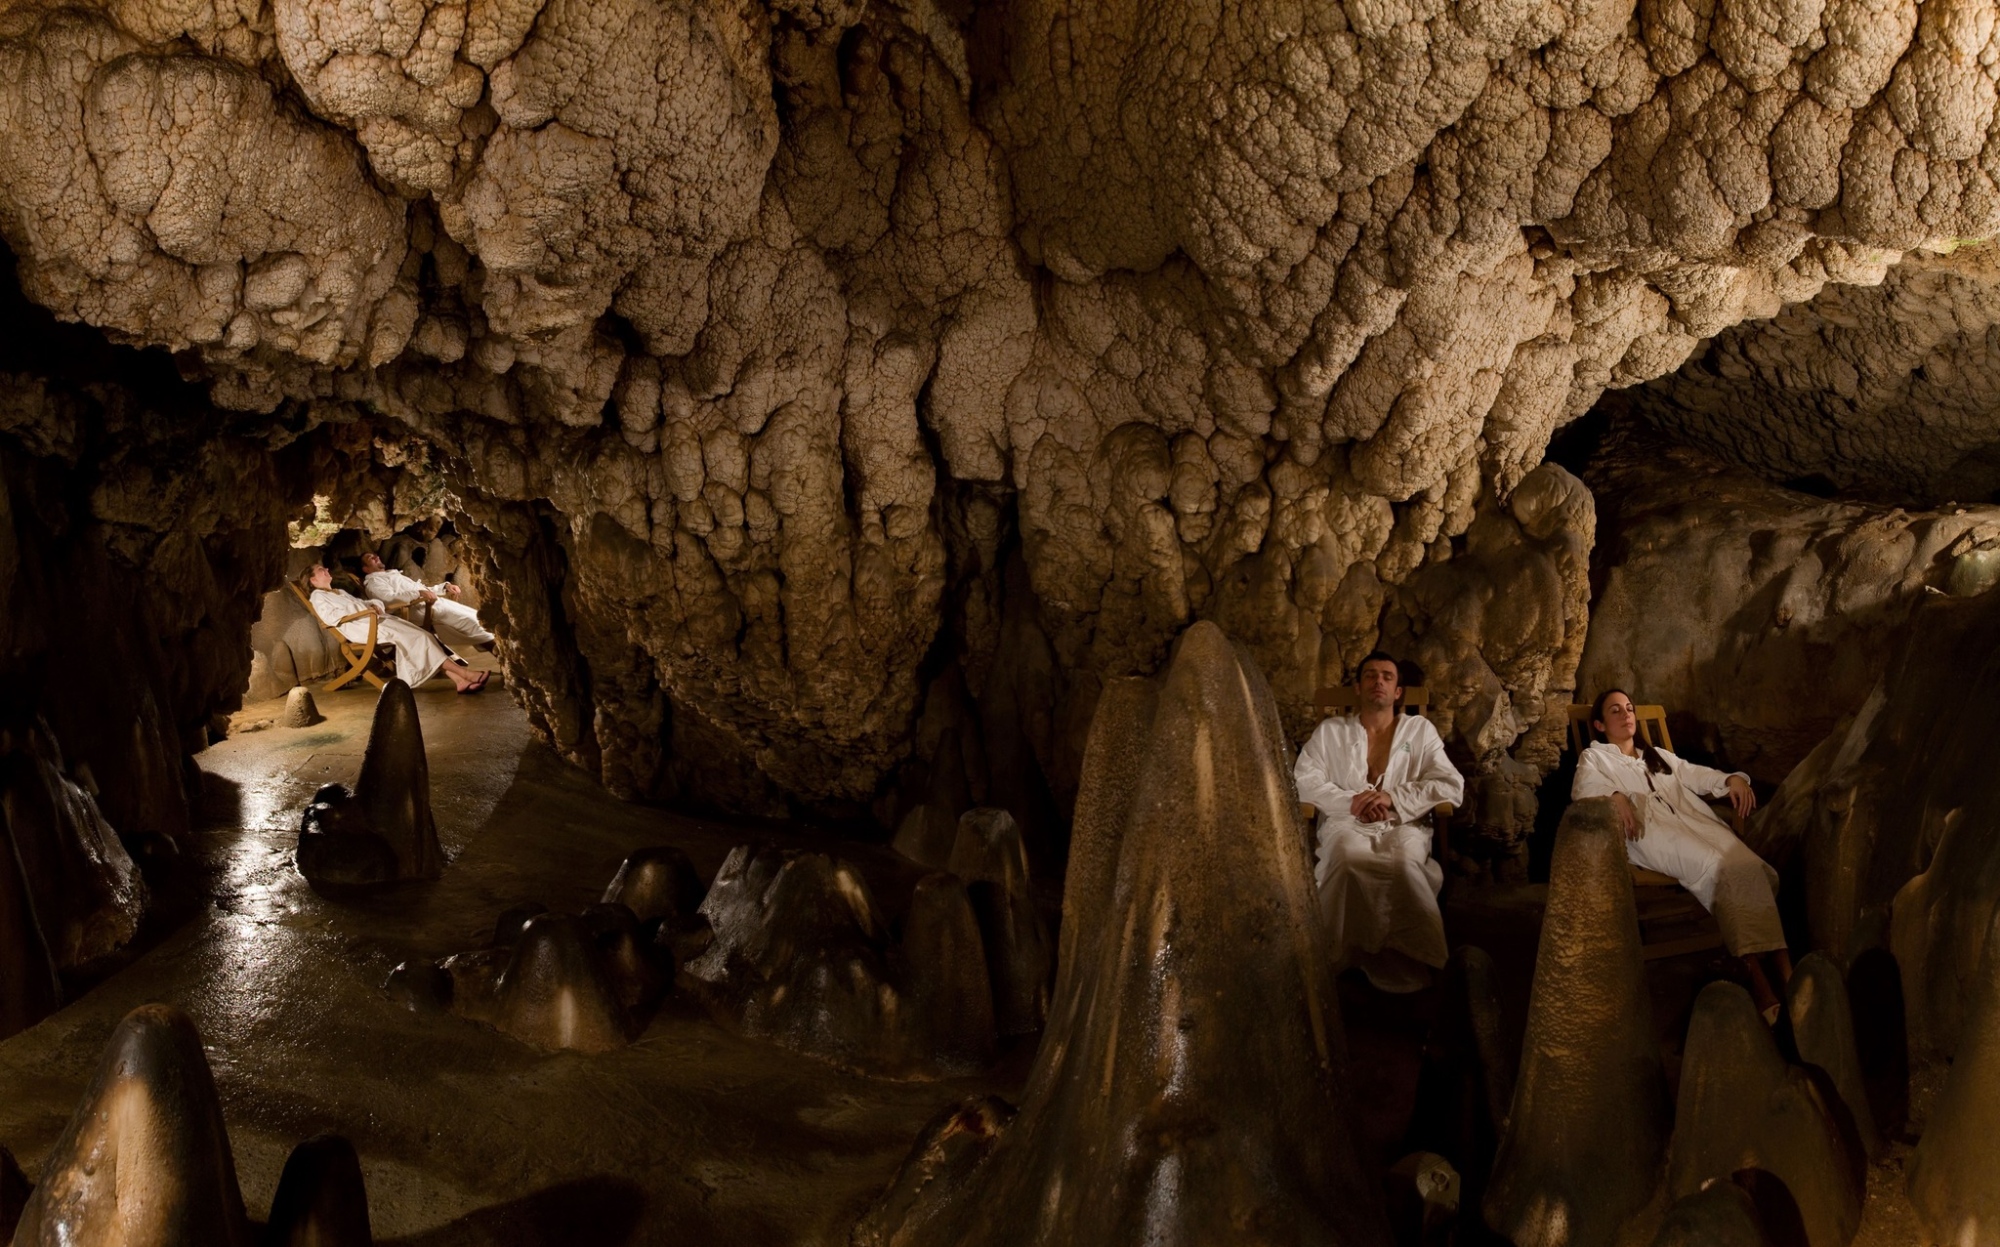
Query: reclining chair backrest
[1652, 723]
[1342, 699]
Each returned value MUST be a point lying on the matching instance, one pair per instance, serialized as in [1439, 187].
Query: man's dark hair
[1378, 655]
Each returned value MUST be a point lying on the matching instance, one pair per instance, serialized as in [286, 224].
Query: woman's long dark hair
[1654, 762]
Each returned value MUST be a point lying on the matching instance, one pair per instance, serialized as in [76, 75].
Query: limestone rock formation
[989, 855]
[321, 1199]
[1822, 1018]
[1890, 809]
[1766, 609]
[1583, 1142]
[556, 992]
[381, 830]
[1721, 1214]
[87, 894]
[300, 710]
[1879, 390]
[761, 343]
[145, 1160]
[659, 885]
[1742, 1107]
[803, 957]
[1953, 1183]
[394, 787]
[948, 1149]
[1201, 1100]
[945, 966]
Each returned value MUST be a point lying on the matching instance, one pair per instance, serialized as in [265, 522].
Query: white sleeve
[1593, 777]
[1703, 780]
[1315, 774]
[1435, 780]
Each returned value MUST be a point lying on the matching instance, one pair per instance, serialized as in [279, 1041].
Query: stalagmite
[300, 710]
[321, 1199]
[145, 1160]
[555, 992]
[658, 884]
[990, 856]
[1823, 1031]
[1581, 1152]
[88, 894]
[1954, 1182]
[1719, 1215]
[1742, 1107]
[944, 970]
[381, 830]
[1189, 1085]
[394, 787]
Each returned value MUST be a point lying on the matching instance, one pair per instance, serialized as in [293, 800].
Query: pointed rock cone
[949, 1005]
[1823, 1031]
[555, 994]
[954, 1144]
[395, 784]
[1742, 1107]
[615, 932]
[990, 857]
[321, 1199]
[1721, 1216]
[1188, 1088]
[145, 1160]
[1581, 1151]
[659, 885]
[300, 710]
[29, 988]
[1954, 1181]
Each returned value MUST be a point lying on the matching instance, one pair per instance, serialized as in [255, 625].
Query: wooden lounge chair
[360, 655]
[1671, 921]
[1342, 699]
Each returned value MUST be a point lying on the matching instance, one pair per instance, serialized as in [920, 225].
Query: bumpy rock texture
[789, 359]
[1952, 1179]
[1759, 616]
[1190, 1085]
[1882, 391]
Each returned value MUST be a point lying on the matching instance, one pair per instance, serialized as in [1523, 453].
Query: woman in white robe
[1378, 885]
[419, 655]
[1670, 828]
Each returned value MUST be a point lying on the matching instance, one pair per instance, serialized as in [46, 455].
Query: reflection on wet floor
[466, 1136]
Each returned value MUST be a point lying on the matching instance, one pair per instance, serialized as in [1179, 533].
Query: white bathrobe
[418, 653]
[1683, 837]
[1378, 886]
[459, 622]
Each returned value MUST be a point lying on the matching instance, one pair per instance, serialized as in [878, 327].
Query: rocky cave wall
[824, 381]
[138, 528]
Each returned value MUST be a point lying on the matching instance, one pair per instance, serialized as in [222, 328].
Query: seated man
[1375, 776]
[453, 619]
[419, 655]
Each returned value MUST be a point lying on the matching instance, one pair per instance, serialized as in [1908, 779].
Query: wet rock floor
[692, 1134]
[465, 1135]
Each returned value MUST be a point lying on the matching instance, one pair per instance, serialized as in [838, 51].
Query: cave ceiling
[810, 348]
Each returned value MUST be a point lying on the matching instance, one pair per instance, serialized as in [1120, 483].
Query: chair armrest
[357, 615]
[1308, 811]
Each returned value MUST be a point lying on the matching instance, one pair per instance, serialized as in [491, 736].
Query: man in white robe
[455, 621]
[419, 655]
[1374, 777]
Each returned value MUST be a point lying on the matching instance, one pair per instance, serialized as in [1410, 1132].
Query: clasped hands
[1372, 806]
[450, 590]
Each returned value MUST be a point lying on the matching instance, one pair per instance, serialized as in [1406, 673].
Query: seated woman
[419, 655]
[1669, 828]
